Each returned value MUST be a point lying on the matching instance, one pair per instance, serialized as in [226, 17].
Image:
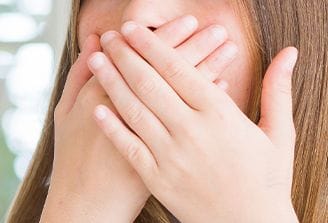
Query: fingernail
[218, 32]
[190, 21]
[108, 36]
[292, 59]
[128, 27]
[96, 61]
[100, 113]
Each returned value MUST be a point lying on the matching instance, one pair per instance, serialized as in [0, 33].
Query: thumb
[276, 102]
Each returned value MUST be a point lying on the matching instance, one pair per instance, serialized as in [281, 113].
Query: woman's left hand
[203, 158]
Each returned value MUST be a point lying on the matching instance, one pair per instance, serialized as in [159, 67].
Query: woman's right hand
[91, 181]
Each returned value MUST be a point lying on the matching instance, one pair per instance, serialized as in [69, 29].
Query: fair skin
[181, 148]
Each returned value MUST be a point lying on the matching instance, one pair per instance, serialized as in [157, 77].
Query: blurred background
[31, 38]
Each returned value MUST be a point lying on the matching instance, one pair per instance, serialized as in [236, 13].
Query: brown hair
[270, 25]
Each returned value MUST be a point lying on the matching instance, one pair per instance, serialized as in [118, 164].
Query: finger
[194, 89]
[202, 44]
[79, 74]
[276, 103]
[198, 47]
[218, 61]
[177, 31]
[148, 86]
[128, 144]
[135, 113]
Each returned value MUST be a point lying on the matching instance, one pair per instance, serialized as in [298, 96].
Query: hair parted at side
[270, 26]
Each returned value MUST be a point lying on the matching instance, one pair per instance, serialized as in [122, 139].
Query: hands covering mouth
[164, 125]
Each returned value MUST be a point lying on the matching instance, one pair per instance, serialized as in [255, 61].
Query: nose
[150, 13]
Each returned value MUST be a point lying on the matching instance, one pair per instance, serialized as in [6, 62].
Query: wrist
[268, 211]
[272, 211]
[73, 207]
[282, 212]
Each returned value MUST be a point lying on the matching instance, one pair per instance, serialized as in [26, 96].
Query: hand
[91, 181]
[83, 155]
[194, 149]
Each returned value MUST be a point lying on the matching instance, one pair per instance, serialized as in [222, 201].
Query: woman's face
[99, 16]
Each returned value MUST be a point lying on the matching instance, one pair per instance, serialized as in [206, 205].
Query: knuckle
[284, 84]
[214, 97]
[181, 166]
[283, 88]
[173, 70]
[189, 129]
[144, 44]
[108, 80]
[198, 46]
[111, 129]
[146, 87]
[113, 46]
[117, 49]
[134, 113]
[221, 113]
[117, 52]
[133, 151]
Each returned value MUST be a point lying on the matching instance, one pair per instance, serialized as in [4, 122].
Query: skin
[86, 179]
[127, 116]
[193, 159]
[72, 188]
[99, 16]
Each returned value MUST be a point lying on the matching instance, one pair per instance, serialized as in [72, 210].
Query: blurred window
[28, 56]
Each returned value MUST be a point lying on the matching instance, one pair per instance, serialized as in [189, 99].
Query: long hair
[270, 25]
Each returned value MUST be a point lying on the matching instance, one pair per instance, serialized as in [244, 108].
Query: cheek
[96, 25]
[240, 73]
[83, 33]
[87, 25]
[99, 16]
[239, 76]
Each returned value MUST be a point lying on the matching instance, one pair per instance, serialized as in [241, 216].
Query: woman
[210, 179]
